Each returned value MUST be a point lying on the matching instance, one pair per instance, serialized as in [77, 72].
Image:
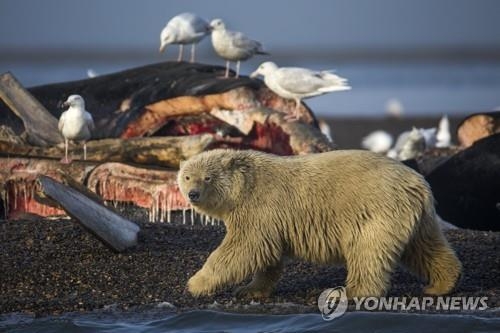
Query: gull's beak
[255, 74]
[65, 105]
[162, 47]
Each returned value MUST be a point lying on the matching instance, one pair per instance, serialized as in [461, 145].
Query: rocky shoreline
[55, 266]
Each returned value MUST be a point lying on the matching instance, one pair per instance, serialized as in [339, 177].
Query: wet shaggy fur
[354, 208]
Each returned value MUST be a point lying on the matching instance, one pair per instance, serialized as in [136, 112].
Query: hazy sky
[332, 25]
[44, 41]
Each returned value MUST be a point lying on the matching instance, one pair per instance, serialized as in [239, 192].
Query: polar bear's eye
[187, 177]
[208, 178]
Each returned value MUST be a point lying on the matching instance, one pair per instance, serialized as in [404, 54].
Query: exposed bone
[145, 187]
[303, 138]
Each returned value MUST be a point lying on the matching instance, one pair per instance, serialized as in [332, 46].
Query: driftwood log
[40, 127]
[112, 229]
[162, 151]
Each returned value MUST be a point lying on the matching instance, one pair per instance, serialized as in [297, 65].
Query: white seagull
[75, 124]
[443, 136]
[185, 28]
[233, 45]
[412, 144]
[298, 83]
[377, 142]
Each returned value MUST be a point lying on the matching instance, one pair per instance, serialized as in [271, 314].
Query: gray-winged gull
[185, 28]
[299, 83]
[76, 124]
[233, 45]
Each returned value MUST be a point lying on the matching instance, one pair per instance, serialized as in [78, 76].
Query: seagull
[413, 145]
[443, 136]
[75, 124]
[299, 83]
[233, 45]
[377, 142]
[185, 28]
[394, 108]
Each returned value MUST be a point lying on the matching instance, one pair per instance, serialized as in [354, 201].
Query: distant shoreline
[317, 54]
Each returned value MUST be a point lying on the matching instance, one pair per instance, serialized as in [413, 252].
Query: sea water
[423, 88]
[210, 321]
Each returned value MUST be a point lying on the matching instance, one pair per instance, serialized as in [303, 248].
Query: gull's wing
[90, 121]
[60, 125]
[239, 40]
[298, 80]
[307, 82]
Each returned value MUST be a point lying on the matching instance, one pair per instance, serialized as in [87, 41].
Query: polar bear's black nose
[194, 195]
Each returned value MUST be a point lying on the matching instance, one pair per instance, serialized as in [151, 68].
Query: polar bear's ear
[227, 162]
[237, 163]
[181, 163]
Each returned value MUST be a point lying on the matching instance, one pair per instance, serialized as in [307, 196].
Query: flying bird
[298, 83]
[233, 45]
[75, 124]
[185, 28]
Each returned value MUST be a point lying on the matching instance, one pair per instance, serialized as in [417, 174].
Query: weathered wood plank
[161, 151]
[40, 125]
[111, 228]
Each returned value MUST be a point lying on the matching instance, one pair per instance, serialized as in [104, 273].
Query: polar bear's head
[215, 182]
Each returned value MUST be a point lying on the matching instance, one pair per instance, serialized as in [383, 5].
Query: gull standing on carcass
[299, 83]
[233, 45]
[185, 28]
[75, 124]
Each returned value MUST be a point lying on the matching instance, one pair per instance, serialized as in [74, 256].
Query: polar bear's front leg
[236, 258]
[262, 284]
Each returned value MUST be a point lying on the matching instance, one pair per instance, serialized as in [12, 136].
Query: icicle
[15, 195]
[169, 208]
[166, 206]
[155, 211]
[183, 216]
[25, 196]
[192, 215]
[151, 209]
[32, 191]
[5, 200]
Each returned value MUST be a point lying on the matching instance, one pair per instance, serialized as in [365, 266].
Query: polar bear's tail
[430, 257]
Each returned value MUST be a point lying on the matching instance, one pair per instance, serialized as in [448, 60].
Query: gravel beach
[55, 266]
